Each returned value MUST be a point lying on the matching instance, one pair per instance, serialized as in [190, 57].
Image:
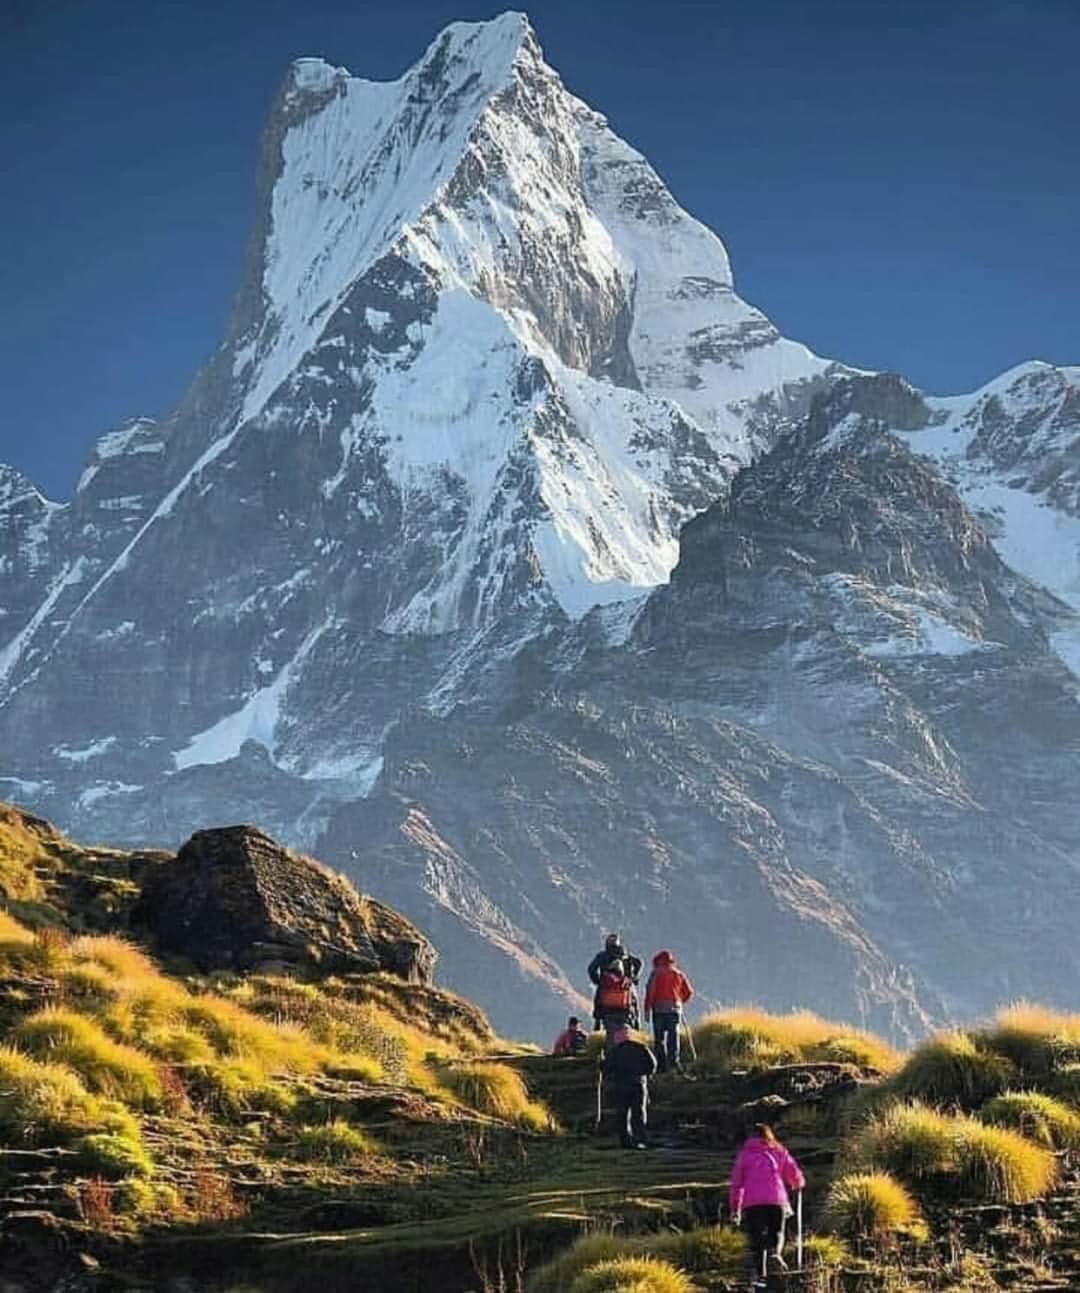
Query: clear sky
[897, 181]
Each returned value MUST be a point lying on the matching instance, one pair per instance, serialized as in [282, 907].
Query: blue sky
[897, 181]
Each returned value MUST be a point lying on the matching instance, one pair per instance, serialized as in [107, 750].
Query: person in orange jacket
[667, 992]
[572, 1040]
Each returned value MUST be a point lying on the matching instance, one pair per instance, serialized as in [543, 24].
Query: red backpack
[615, 991]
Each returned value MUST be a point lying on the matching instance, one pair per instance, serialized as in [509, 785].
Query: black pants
[631, 1112]
[765, 1230]
[665, 1025]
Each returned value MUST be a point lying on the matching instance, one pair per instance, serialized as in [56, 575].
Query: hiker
[764, 1171]
[572, 1040]
[666, 993]
[613, 951]
[628, 1065]
[615, 1003]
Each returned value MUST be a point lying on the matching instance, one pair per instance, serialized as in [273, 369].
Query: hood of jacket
[662, 959]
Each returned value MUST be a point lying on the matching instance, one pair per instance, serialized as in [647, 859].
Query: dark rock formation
[236, 899]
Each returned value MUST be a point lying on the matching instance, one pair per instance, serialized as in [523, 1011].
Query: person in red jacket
[764, 1171]
[572, 1040]
[667, 992]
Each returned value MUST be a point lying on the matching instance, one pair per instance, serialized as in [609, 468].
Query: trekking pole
[798, 1229]
[690, 1038]
[599, 1096]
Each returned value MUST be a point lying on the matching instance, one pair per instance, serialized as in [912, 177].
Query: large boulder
[233, 898]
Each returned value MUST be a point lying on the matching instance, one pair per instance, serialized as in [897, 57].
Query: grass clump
[107, 1067]
[953, 1155]
[332, 1142]
[951, 1069]
[1037, 1116]
[495, 1090]
[44, 1102]
[824, 1252]
[745, 1037]
[864, 1206]
[721, 1250]
[557, 1275]
[1037, 1040]
[632, 1275]
[114, 1154]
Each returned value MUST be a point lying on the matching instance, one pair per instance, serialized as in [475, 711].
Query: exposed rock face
[235, 899]
[384, 584]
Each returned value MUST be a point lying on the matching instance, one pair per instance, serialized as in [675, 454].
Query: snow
[255, 720]
[359, 769]
[100, 790]
[11, 654]
[1035, 538]
[354, 176]
[92, 751]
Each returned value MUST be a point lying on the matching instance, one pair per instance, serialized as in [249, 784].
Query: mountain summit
[481, 371]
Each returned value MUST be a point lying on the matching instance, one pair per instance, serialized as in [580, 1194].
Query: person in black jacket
[628, 1065]
[613, 950]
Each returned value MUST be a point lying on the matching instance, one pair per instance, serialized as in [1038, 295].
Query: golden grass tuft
[720, 1250]
[557, 1275]
[106, 1067]
[746, 1037]
[122, 958]
[824, 1252]
[12, 933]
[114, 1154]
[871, 1206]
[632, 1275]
[333, 1142]
[44, 1102]
[495, 1090]
[952, 1155]
[1036, 1039]
[950, 1068]
[1039, 1117]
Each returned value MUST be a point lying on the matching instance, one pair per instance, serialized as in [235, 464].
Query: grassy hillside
[272, 1131]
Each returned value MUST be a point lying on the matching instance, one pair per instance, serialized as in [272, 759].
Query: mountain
[393, 582]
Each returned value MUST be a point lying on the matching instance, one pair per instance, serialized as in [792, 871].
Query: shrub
[120, 957]
[745, 1037]
[44, 1102]
[496, 1090]
[632, 1275]
[999, 1166]
[824, 1252]
[915, 1143]
[721, 1250]
[107, 1067]
[135, 1197]
[1039, 1117]
[557, 1275]
[950, 1069]
[355, 1068]
[332, 1142]
[1038, 1041]
[864, 1050]
[114, 1154]
[871, 1205]
[234, 1087]
[954, 1155]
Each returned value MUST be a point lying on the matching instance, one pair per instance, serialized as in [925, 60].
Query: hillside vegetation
[166, 1128]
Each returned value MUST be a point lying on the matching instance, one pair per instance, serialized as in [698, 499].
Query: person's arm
[594, 968]
[735, 1188]
[686, 988]
[791, 1172]
[650, 992]
[562, 1043]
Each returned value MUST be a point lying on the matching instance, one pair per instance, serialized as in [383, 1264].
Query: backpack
[578, 1042]
[614, 993]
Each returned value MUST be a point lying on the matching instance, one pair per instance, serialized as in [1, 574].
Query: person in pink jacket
[764, 1171]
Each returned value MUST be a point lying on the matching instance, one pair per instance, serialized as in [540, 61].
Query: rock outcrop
[235, 899]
